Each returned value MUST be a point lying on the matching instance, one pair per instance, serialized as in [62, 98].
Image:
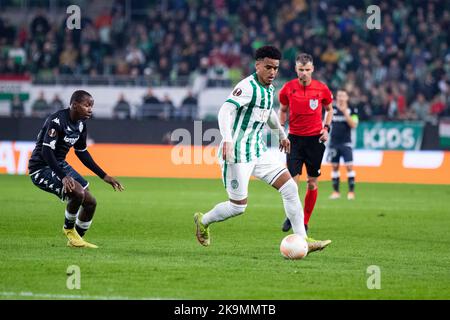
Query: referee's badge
[313, 103]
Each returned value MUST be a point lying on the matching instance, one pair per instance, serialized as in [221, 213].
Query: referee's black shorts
[305, 150]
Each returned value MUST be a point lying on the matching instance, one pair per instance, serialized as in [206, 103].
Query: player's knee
[90, 201]
[312, 183]
[289, 190]
[76, 195]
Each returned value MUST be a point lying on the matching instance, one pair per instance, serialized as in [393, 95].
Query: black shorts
[45, 179]
[335, 152]
[305, 150]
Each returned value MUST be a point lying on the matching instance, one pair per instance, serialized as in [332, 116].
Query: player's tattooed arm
[328, 118]
[282, 113]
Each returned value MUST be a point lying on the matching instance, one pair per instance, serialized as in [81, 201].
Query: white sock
[83, 224]
[335, 174]
[293, 207]
[223, 211]
[70, 216]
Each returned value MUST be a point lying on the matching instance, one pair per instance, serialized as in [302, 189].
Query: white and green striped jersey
[254, 103]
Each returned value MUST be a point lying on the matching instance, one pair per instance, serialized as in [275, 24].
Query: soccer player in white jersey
[243, 153]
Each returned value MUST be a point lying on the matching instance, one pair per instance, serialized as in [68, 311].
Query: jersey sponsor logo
[56, 120]
[52, 133]
[237, 92]
[72, 141]
[313, 103]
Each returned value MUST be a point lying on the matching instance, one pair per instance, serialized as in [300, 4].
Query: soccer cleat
[315, 245]
[335, 195]
[202, 231]
[75, 240]
[286, 225]
[85, 245]
[351, 196]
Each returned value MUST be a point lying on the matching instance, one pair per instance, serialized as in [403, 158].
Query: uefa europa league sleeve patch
[52, 133]
[237, 92]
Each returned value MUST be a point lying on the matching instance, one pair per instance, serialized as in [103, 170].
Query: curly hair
[270, 52]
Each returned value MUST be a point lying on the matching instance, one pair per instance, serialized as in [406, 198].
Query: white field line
[25, 294]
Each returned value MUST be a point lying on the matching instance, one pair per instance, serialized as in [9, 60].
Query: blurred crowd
[399, 72]
[151, 107]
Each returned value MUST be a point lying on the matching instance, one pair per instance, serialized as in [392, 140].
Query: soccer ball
[294, 246]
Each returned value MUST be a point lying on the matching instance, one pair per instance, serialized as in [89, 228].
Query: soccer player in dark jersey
[303, 98]
[50, 172]
[345, 119]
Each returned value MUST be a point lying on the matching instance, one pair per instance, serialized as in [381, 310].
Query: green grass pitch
[148, 249]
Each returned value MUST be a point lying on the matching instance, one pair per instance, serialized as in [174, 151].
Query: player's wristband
[328, 127]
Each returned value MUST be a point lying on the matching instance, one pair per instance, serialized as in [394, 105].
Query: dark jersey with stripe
[60, 134]
[341, 131]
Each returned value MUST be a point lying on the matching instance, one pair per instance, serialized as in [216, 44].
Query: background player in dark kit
[345, 119]
[50, 172]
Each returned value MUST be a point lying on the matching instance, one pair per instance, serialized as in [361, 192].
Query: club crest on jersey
[237, 92]
[81, 126]
[313, 103]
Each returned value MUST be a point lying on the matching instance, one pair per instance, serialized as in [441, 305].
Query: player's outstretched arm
[86, 158]
[117, 186]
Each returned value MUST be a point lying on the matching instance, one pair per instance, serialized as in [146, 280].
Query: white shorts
[237, 175]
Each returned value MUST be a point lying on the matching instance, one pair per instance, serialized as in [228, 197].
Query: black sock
[351, 184]
[336, 184]
[68, 224]
[80, 230]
